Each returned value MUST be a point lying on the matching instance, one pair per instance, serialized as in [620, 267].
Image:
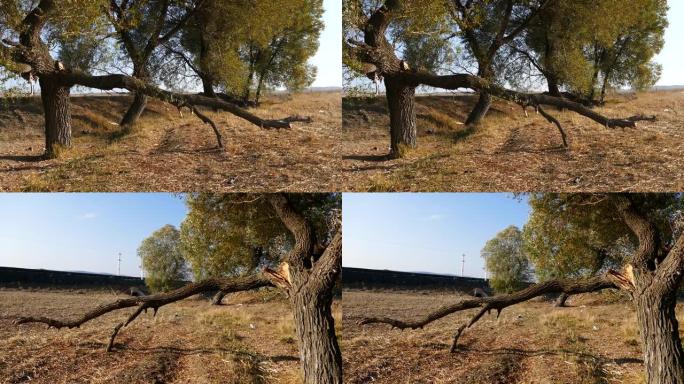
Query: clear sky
[82, 232]
[672, 55]
[425, 232]
[328, 59]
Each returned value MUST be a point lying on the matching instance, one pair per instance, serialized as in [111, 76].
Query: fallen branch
[154, 302]
[499, 303]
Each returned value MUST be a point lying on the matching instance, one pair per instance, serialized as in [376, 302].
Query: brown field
[510, 152]
[167, 152]
[593, 342]
[249, 340]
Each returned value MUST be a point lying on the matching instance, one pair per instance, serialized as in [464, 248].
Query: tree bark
[257, 96]
[480, 110]
[401, 99]
[55, 98]
[208, 87]
[554, 89]
[560, 301]
[134, 111]
[319, 351]
[663, 355]
[218, 298]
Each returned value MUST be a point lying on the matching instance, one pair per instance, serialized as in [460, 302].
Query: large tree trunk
[217, 299]
[257, 96]
[208, 87]
[320, 354]
[401, 99]
[554, 89]
[560, 301]
[134, 111]
[56, 109]
[480, 110]
[663, 355]
[484, 101]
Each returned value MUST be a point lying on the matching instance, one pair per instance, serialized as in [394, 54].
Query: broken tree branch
[153, 301]
[499, 303]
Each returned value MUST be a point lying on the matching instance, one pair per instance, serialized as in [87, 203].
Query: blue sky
[328, 59]
[82, 232]
[425, 232]
[672, 55]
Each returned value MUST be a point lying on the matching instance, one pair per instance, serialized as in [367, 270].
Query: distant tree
[506, 261]
[162, 260]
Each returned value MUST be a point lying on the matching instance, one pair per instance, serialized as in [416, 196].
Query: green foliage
[575, 235]
[162, 259]
[506, 261]
[233, 234]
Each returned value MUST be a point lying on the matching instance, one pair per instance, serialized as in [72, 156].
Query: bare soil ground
[248, 340]
[595, 341]
[511, 152]
[170, 152]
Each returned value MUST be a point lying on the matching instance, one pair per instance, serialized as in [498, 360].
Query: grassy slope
[593, 341]
[511, 152]
[170, 152]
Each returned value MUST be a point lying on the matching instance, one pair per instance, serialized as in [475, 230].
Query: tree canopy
[162, 259]
[506, 261]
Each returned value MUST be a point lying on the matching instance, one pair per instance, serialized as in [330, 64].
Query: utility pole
[463, 266]
[118, 271]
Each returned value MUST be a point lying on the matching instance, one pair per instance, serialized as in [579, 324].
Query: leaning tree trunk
[134, 111]
[663, 354]
[480, 110]
[401, 100]
[218, 298]
[554, 89]
[320, 354]
[55, 98]
[560, 301]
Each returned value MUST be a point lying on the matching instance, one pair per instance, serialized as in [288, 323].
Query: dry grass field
[250, 340]
[594, 341]
[511, 152]
[170, 152]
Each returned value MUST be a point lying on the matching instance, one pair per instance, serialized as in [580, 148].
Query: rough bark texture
[401, 105]
[663, 355]
[218, 298]
[320, 353]
[57, 112]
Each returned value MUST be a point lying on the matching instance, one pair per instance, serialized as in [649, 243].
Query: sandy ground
[170, 152]
[511, 152]
[593, 341]
[248, 340]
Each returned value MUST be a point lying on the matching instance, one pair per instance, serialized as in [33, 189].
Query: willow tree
[276, 54]
[162, 259]
[141, 26]
[587, 46]
[368, 31]
[24, 48]
[651, 274]
[506, 261]
[307, 274]
[219, 242]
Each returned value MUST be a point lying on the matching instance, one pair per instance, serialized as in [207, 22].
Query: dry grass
[246, 341]
[510, 152]
[590, 342]
[170, 152]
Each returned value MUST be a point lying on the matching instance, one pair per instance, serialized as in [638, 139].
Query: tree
[307, 274]
[142, 26]
[367, 41]
[651, 274]
[23, 46]
[506, 261]
[162, 259]
[217, 244]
